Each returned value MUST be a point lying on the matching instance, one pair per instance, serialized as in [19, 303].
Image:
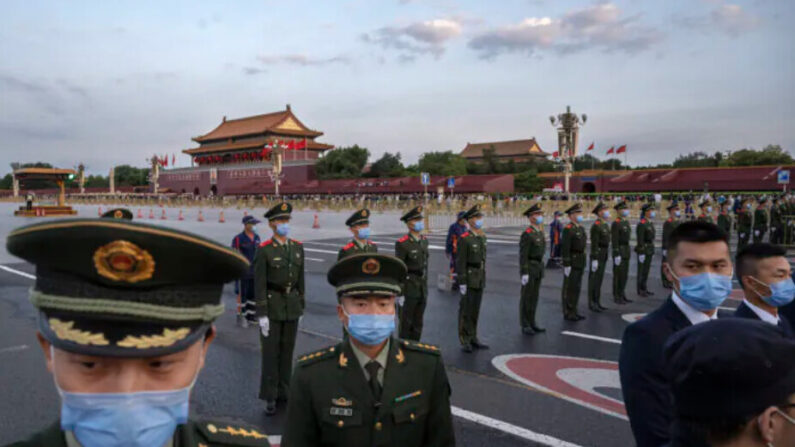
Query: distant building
[520, 151]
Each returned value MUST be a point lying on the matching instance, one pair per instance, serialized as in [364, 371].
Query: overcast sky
[111, 82]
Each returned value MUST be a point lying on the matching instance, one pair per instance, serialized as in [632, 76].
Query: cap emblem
[371, 266]
[419, 209]
[284, 207]
[364, 213]
[118, 214]
[124, 261]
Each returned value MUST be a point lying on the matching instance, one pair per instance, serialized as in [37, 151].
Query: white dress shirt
[694, 315]
[763, 315]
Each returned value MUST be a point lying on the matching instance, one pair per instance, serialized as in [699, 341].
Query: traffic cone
[163, 215]
[151, 213]
[140, 213]
[99, 212]
[180, 217]
[201, 216]
[316, 223]
[221, 217]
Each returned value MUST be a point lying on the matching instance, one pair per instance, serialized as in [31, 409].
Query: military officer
[744, 223]
[471, 268]
[124, 324]
[359, 224]
[279, 286]
[118, 213]
[674, 214]
[572, 254]
[371, 389]
[776, 222]
[412, 249]
[600, 244]
[246, 243]
[644, 234]
[706, 211]
[724, 219]
[531, 268]
[760, 220]
[620, 233]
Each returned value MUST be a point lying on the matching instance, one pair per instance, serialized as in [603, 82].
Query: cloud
[302, 60]
[727, 18]
[428, 37]
[600, 27]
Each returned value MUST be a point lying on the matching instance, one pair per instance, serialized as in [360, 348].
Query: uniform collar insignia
[400, 357]
[343, 360]
[341, 402]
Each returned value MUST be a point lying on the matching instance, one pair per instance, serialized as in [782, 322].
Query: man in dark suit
[764, 274]
[699, 266]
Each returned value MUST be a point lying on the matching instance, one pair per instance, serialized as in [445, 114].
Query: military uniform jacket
[645, 237]
[192, 434]
[248, 248]
[471, 260]
[776, 219]
[531, 252]
[600, 240]
[331, 403]
[414, 253]
[760, 220]
[620, 234]
[572, 246]
[279, 279]
[705, 218]
[725, 222]
[354, 247]
[744, 222]
[668, 227]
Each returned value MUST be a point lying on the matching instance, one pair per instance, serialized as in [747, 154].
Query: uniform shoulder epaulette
[231, 433]
[643, 221]
[312, 357]
[268, 242]
[568, 226]
[297, 242]
[596, 222]
[421, 347]
[670, 219]
[528, 230]
[618, 220]
[466, 233]
[348, 247]
[404, 238]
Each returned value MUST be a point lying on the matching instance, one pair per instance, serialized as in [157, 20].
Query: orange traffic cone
[163, 215]
[221, 217]
[316, 223]
[151, 213]
[99, 212]
[201, 216]
[180, 217]
[140, 213]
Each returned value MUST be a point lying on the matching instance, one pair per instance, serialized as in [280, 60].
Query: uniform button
[378, 426]
[411, 416]
[340, 423]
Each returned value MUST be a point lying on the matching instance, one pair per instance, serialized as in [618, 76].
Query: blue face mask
[678, 213]
[652, 215]
[625, 213]
[419, 226]
[705, 291]
[283, 229]
[539, 220]
[578, 218]
[606, 215]
[748, 206]
[478, 224]
[782, 292]
[363, 233]
[709, 209]
[370, 329]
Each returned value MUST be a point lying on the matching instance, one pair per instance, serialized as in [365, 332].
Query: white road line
[317, 250]
[327, 244]
[592, 337]
[17, 272]
[432, 247]
[314, 259]
[509, 428]
[13, 349]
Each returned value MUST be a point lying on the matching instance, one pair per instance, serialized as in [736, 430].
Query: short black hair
[749, 255]
[717, 431]
[696, 231]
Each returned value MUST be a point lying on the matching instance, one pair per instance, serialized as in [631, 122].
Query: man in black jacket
[764, 274]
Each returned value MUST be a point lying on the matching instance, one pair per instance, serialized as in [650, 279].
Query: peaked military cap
[576, 208]
[536, 208]
[599, 207]
[461, 215]
[112, 287]
[646, 207]
[763, 199]
[473, 212]
[278, 211]
[250, 220]
[368, 274]
[118, 213]
[621, 206]
[361, 217]
[672, 206]
[412, 214]
[704, 202]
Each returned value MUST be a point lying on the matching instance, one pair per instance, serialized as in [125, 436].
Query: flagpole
[306, 154]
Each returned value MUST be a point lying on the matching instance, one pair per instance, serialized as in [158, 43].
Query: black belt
[281, 288]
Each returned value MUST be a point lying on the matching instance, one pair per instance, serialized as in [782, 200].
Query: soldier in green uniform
[744, 223]
[776, 222]
[279, 292]
[706, 211]
[788, 213]
[674, 213]
[531, 268]
[600, 245]
[124, 324]
[412, 249]
[572, 254]
[644, 247]
[620, 234]
[760, 220]
[359, 224]
[471, 268]
[724, 219]
[371, 389]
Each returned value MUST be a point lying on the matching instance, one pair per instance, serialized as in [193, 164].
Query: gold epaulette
[312, 357]
[421, 347]
[232, 433]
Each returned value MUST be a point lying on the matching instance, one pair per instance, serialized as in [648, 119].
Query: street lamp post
[568, 127]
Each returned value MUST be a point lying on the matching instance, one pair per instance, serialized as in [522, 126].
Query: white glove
[772, 229]
[742, 235]
[641, 258]
[566, 270]
[401, 300]
[525, 279]
[264, 326]
[463, 289]
[617, 260]
[594, 265]
[756, 232]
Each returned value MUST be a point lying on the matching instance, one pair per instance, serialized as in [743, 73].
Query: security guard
[118, 213]
[760, 220]
[620, 233]
[706, 211]
[776, 222]
[359, 224]
[531, 268]
[246, 243]
[644, 233]
[674, 214]
[572, 254]
[724, 219]
[600, 245]
[744, 223]
[279, 285]
[412, 249]
[117, 302]
[471, 268]
[371, 389]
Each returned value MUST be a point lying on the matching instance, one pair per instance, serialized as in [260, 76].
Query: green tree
[528, 181]
[696, 159]
[586, 161]
[127, 175]
[7, 182]
[772, 154]
[490, 161]
[442, 163]
[344, 162]
[97, 181]
[388, 165]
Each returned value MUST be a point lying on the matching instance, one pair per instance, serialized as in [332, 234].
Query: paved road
[493, 408]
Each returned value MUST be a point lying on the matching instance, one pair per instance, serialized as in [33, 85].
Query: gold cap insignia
[364, 213]
[118, 214]
[419, 209]
[341, 402]
[284, 207]
[65, 331]
[167, 338]
[124, 261]
[371, 266]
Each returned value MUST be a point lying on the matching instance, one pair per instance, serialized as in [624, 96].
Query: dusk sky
[112, 82]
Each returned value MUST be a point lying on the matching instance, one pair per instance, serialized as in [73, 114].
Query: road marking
[314, 259]
[13, 349]
[432, 247]
[17, 272]
[317, 250]
[327, 244]
[592, 337]
[509, 428]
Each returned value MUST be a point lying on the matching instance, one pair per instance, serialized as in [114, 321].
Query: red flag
[555, 154]
[610, 151]
[291, 145]
[173, 159]
[300, 145]
[621, 149]
[590, 148]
